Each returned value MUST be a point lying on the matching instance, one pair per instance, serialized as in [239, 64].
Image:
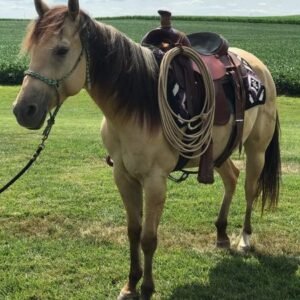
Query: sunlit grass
[63, 226]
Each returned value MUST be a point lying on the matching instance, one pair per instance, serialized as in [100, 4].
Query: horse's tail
[270, 178]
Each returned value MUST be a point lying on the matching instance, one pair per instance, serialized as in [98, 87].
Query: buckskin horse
[70, 51]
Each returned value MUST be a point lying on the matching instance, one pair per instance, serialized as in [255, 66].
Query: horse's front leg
[131, 193]
[155, 194]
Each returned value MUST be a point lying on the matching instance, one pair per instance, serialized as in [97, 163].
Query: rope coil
[189, 145]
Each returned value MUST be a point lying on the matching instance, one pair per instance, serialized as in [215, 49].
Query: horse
[70, 51]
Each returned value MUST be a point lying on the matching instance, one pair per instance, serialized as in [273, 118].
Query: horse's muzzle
[30, 115]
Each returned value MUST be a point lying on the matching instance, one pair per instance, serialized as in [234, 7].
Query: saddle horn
[41, 7]
[165, 37]
[165, 18]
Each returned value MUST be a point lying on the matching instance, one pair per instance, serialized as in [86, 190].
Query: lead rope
[41, 147]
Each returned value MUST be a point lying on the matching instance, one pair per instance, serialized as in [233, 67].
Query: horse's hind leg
[254, 166]
[155, 193]
[229, 174]
[131, 193]
[261, 139]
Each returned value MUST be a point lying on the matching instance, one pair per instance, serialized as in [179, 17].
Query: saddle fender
[214, 65]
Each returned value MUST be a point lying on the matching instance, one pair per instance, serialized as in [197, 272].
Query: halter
[55, 83]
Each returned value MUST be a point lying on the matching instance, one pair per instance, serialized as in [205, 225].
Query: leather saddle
[227, 73]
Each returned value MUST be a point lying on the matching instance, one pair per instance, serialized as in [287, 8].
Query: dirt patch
[287, 168]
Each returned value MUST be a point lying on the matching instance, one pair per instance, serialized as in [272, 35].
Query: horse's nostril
[31, 110]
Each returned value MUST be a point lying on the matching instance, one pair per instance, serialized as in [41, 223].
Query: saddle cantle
[230, 76]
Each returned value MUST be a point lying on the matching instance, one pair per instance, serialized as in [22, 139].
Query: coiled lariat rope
[194, 142]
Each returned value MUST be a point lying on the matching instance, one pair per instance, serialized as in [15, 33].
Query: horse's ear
[73, 8]
[41, 7]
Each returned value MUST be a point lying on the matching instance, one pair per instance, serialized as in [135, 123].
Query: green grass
[12, 65]
[63, 227]
[272, 41]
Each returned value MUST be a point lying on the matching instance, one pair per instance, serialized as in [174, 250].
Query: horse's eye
[61, 51]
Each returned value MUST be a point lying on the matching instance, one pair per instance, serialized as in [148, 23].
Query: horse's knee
[134, 233]
[149, 243]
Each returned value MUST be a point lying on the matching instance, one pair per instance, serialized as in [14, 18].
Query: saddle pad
[256, 92]
[225, 94]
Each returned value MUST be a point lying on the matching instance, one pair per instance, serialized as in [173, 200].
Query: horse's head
[57, 63]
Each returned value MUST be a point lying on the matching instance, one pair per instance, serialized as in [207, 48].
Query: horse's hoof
[225, 244]
[244, 243]
[128, 296]
[243, 249]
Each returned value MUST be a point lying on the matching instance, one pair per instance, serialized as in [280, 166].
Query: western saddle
[228, 74]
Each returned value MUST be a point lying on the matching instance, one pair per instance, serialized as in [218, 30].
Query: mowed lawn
[63, 227]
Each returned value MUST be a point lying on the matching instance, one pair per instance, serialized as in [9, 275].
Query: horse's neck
[113, 58]
[124, 74]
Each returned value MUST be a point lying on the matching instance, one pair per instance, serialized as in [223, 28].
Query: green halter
[56, 82]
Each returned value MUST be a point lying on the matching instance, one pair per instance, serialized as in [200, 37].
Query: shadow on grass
[247, 277]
